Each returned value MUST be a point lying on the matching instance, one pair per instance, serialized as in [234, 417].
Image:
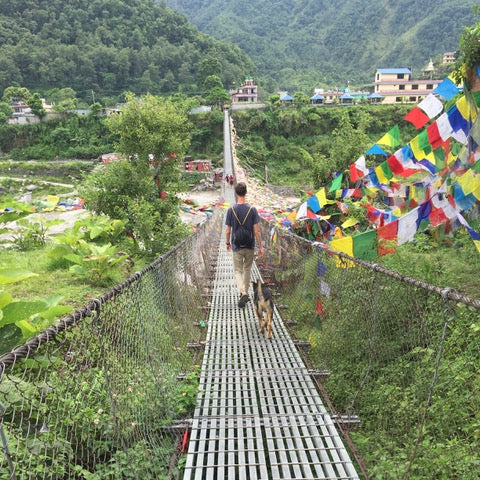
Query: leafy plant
[22, 319]
[32, 234]
[96, 264]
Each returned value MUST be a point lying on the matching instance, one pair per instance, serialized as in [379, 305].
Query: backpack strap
[236, 216]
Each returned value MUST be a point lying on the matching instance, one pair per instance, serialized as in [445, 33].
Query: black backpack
[243, 236]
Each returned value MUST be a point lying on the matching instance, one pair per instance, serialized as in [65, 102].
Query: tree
[301, 100]
[16, 94]
[151, 126]
[63, 98]
[153, 135]
[212, 81]
[218, 96]
[209, 66]
[5, 112]
[36, 105]
[348, 143]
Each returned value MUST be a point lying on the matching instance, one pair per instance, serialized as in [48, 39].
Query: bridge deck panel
[259, 414]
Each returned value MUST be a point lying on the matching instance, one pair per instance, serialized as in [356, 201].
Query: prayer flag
[365, 245]
[325, 288]
[416, 117]
[475, 237]
[391, 138]
[387, 172]
[382, 179]
[319, 308]
[434, 137]
[437, 217]
[407, 227]
[465, 109]
[349, 222]
[444, 127]
[375, 150]
[336, 184]
[321, 268]
[314, 204]
[358, 169]
[431, 105]
[386, 233]
[344, 245]
[440, 158]
[447, 89]
[395, 165]
[423, 142]
[302, 211]
[423, 212]
[457, 121]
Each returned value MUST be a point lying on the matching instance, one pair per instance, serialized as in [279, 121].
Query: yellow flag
[465, 109]
[417, 151]
[381, 176]
[344, 245]
[292, 217]
[322, 197]
[349, 222]
[468, 182]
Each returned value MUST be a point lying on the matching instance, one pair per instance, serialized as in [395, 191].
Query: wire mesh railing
[402, 355]
[95, 396]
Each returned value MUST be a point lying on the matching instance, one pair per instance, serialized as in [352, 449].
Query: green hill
[104, 47]
[307, 42]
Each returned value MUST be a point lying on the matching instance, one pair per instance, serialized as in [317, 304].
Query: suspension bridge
[108, 393]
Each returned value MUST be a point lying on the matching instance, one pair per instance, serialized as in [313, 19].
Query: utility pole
[93, 96]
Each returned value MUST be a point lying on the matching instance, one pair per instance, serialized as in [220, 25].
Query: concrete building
[397, 86]
[247, 93]
[448, 57]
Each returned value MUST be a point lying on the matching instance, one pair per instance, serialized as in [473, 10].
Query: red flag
[437, 216]
[395, 165]
[319, 308]
[434, 135]
[384, 234]
[353, 173]
[417, 117]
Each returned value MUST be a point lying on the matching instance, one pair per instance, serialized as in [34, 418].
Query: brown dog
[262, 299]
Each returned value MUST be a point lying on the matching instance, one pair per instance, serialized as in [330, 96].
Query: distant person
[241, 232]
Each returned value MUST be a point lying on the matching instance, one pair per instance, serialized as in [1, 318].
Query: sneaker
[243, 301]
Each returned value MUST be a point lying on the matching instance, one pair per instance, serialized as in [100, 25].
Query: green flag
[336, 184]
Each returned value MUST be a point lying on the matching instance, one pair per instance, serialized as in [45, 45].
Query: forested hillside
[104, 47]
[334, 41]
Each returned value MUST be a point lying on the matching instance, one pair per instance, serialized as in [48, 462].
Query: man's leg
[247, 267]
[238, 268]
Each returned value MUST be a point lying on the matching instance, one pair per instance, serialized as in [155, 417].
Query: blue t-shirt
[241, 210]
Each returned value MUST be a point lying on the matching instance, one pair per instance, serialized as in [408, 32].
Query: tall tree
[36, 105]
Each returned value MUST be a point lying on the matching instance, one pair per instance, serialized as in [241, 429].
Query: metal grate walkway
[258, 414]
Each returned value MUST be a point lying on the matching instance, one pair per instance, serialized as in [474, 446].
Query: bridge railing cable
[402, 356]
[96, 396]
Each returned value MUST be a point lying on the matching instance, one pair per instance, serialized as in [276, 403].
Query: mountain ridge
[332, 41]
[109, 46]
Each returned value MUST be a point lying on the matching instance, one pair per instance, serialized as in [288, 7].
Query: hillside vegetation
[103, 47]
[304, 42]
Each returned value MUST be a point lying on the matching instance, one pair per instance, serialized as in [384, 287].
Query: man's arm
[258, 238]
[228, 230]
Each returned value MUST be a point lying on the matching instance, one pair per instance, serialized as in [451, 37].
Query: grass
[453, 262]
[48, 282]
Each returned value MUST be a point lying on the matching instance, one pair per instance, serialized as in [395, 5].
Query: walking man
[241, 232]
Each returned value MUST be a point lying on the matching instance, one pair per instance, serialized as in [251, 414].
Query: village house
[397, 86]
[246, 93]
[448, 58]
